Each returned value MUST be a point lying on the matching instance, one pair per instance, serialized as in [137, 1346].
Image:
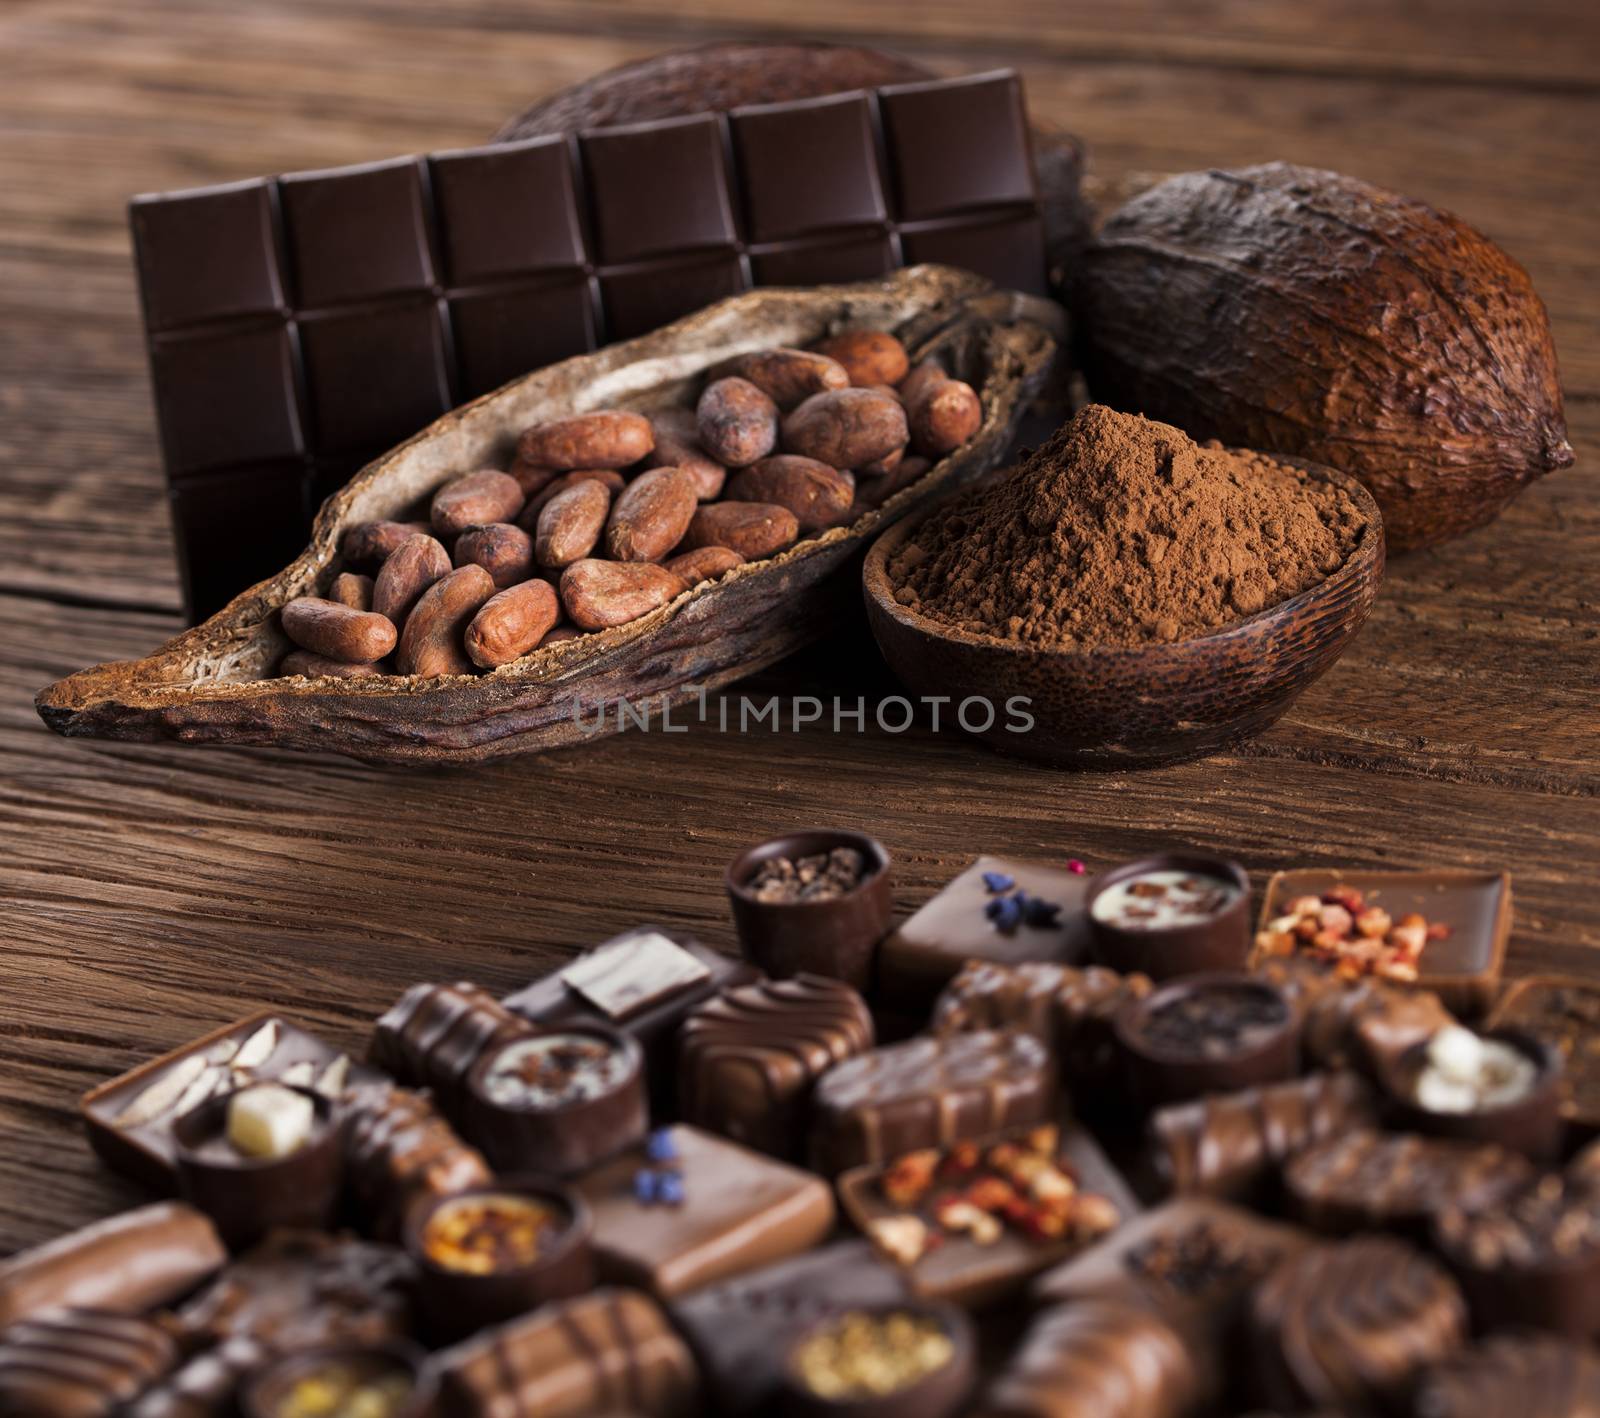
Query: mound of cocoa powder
[1122, 531]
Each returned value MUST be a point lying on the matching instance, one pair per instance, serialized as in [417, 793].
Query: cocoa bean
[415, 566]
[846, 428]
[353, 590]
[532, 478]
[868, 356]
[924, 375]
[703, 564]
[753, 529]
[607, 438]
[477, 498]
[503, 550]
[651, 515]
[303, 662]
[600, 594]
[882, 467]
[373, 543]
[511, 623]
[562, 632]
[678, 446]
[819, 496]
[571, 523]
[738, 423]
[432, 642]
[789, 377]
[608, 478]
[337, 632]
[945, 416]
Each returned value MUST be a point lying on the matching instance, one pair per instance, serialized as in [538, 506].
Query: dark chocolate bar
[1352, 1324]
[124, 1265]
[1003, 911]
[1373, 1181]
[398, 1148]
[645, 981]
[1529, 1375]
[81, 1363]
[741, 1331]
[609, 1352]
[433, 1035]
[751, 1057]
[1097, 1359]
[130, 1118]
[1473, 908]
[1232, 1144]
[1564, 1012]
[929, 1092]
[298, 326]
[1069, 1009]
[689, 1208]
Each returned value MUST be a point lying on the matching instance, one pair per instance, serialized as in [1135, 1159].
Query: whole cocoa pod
[1315, 315]
[599, 594]
[651, 515]
[607, 438]
[432, 642]
[819, 496]
[846, 428]
[738, 423]
[470, 501]
[416, 564]
[511, 623]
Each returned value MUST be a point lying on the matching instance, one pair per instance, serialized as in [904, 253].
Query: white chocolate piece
[1456, 1053]
[269, 1121]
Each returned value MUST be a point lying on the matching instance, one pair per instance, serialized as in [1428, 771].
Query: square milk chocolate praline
[969, 919]
[685, 1209]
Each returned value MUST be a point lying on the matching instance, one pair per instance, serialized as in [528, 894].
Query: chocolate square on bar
[808, 166]
[1009, 250]
[727, 1210]
[208, 511]
[821, 261]
[375, 377]
[958, 144]
[227, 397]
[502, 334]
[961, 922]
[656, 188]
[130, 1118]
[210, 254]
[642, 298]
[508, 210]
[356, 233]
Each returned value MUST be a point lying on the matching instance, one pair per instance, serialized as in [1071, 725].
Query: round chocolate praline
[1219, 941]
[266, 1394]
[835, 936]
[456, 1302]
[1531, 1124]
[935, 1394]
[246, 1197]
[563, 1135]
[1164, 1070]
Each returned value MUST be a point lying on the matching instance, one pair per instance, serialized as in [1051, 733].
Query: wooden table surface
[148, 894]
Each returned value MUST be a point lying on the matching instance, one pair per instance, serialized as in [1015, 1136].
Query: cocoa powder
[1121, 531]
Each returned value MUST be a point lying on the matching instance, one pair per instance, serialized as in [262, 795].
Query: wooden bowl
[1116, 707]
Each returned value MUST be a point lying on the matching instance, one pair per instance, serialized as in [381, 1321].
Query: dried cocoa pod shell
[416, 564]
[217, 684]
[607, 438]
[677, 434]
[571, 523]
[846, 428]
[1314, 315]
[503, 550]
[753, 529]
[432, 643]
[703, 564]
[817, 494]
[336, 632]
[511, 623]
[599, 594]
[471, 501]
[789, 377]
[869, 357]
[738, 423]
[651, 515]
[352, 589]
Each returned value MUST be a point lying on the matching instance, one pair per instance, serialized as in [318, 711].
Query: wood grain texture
[149, 893]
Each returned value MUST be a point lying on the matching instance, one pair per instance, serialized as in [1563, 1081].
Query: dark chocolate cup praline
[563, 1141]
[1158, 1076]
[839, 937]
[936, 1395]
[1558, 1295]
[1532, 1125]
[456, 1303]
[246, 1197]
[1219, 942]
[263, 1393]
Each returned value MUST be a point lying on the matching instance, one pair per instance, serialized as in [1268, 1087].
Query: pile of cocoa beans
[604, 516]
